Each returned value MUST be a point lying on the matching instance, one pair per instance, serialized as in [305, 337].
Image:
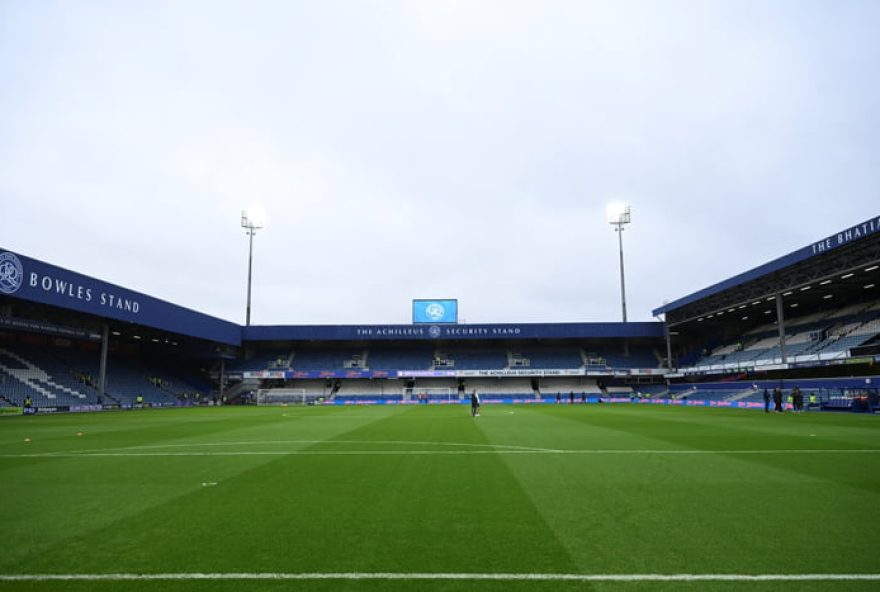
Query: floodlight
[252, 219]
[619, 214]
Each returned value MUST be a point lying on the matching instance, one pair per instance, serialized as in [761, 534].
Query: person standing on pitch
[777, 399]
[475, 404]
[766, 401]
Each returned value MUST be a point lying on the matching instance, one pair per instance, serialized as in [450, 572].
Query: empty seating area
[41, 378]
[548, 359]
[651, 390]
[637, 357]
[723, 391]
[315, 360]
[53, 376]
[369, 388]
[819, 336]
[550, 387]
[829, 393]
[400, 359]
[477, 359]
[492, 387]
[261, 360]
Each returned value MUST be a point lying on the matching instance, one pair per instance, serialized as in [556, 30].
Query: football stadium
[732, 444]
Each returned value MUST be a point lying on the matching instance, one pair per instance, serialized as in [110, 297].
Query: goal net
[431, 394]
[284, 396]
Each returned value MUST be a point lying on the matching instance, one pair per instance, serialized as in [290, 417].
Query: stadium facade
[68, 340]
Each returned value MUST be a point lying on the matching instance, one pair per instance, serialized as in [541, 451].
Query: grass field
[573, 490]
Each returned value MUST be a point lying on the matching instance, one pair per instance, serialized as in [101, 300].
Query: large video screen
[435, 311]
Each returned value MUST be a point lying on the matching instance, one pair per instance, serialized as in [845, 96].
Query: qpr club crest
[11, 273]
[435, 311]
[434, 331]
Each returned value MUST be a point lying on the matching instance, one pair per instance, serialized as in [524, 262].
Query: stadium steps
[36, 378]
[741, 395]
[661, 358]
[246, 385]
[90, 391]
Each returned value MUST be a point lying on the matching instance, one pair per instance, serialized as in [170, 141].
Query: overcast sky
[419, 149]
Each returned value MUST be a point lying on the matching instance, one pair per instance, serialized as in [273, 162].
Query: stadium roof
[45, 285]
[838, 264]
[853, 250]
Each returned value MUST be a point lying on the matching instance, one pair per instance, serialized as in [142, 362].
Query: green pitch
[521, 490]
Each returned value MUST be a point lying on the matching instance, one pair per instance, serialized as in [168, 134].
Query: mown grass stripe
[444, 576]
[432, 453]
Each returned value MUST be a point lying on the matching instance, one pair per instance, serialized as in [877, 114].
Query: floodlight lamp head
[253, 218]
[618, 213]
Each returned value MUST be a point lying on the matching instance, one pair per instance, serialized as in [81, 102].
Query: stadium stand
[327, 359]
[715, 344]
[472, 359]
[68, 377]
[417, 358]
[262, 360]
[546, 358]
[369, 388]
[818, 336]
[548, 387]
[492, 387]
[638, 357]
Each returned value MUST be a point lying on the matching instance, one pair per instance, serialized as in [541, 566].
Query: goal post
[284, 396]
[417, 393]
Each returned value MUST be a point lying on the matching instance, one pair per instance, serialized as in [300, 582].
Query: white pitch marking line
[431, 453]
[275, 442]
[446, 576]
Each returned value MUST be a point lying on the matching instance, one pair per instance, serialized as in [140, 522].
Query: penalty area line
[559, 577]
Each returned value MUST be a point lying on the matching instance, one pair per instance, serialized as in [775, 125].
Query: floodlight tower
[618, 216]
[251, 220]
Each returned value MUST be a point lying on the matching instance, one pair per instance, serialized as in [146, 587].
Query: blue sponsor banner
[36, 281]
[501, 400]
[649, 330]
[435, 311]
[47, 328]
[316, 374]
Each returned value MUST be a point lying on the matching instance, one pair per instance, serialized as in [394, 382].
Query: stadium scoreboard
[435, 311]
